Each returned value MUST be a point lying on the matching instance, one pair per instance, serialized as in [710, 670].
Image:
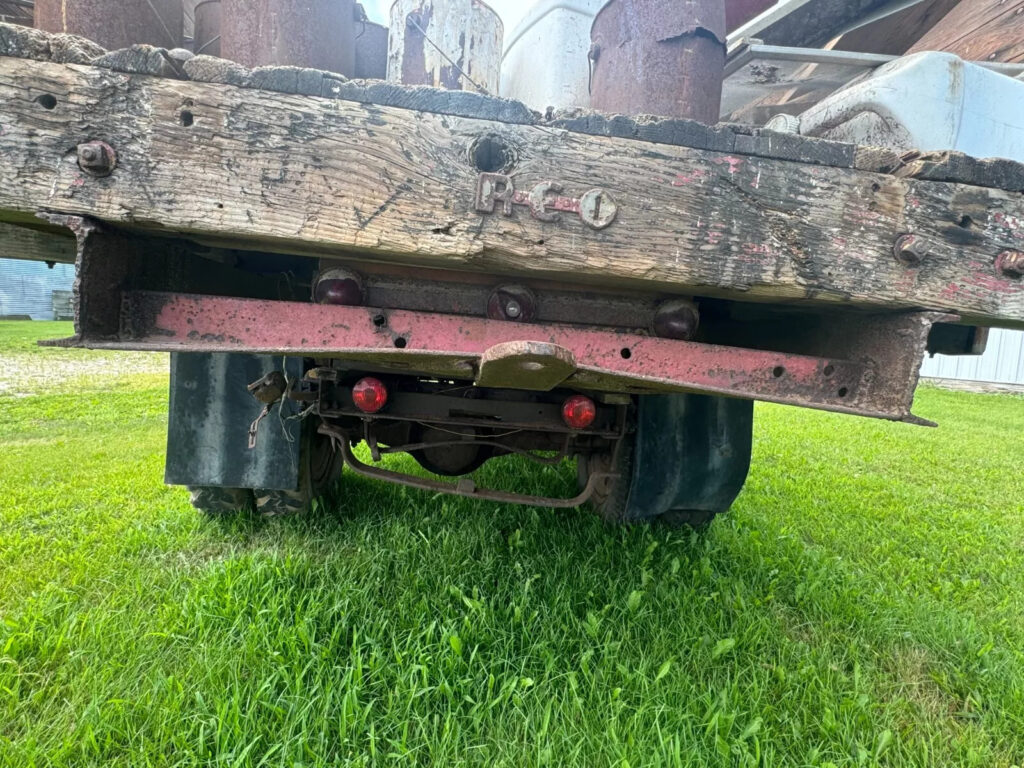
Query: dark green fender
[692, 454]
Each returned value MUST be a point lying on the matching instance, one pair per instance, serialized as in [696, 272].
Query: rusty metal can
[659, 57]
[115, 23]
[206, 37]
[452, 44]
[301, 33]
[371, 50]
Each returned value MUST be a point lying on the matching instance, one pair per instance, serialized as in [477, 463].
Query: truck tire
[220, 501]
[685, 463]
[320, 465]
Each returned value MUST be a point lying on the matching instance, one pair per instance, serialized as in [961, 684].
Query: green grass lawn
[863, 604]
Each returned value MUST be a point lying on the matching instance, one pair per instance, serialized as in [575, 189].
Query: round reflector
[579, 412]
[369, 395]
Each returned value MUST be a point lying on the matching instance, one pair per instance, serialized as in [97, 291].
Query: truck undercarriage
[448, 275]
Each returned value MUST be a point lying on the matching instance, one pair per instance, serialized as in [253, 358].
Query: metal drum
[659, 57]
[302, 33]
[452, 44]
[206, 37]
[114, 23]
[371, 50]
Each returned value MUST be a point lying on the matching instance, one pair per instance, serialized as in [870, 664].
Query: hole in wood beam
[400, 342]
[778, 372]
[843, 392]
[493, 154]
[965, 222]
[829, 370]
[187, 118]
[47, 101]
[626, 353]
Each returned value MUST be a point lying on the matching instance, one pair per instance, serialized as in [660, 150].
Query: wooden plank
[805, 23]
[979, 30]
[311, 176]
[896, 33]
[31, 244]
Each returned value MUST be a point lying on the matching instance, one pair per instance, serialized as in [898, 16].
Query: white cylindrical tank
[452, 44]
[546, 61]
[928, 101]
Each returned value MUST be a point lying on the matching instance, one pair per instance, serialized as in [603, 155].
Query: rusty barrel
[302, 33]
[452, 44]
[114, 23]
[659, 57]
[371, 50]
[206, 35]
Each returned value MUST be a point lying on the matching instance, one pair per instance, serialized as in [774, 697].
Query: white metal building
[26, 287]
[1002, 363]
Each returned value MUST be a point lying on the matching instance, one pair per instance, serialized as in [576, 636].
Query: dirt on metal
[450, 44]
[115, 23]
[659, 57]
[318, 34]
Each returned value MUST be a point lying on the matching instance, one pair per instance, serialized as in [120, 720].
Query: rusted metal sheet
[114, 23]
[371, 49]
[876, 379]
[659, 57]
[451, 44]
[302, 33]
[206, 37]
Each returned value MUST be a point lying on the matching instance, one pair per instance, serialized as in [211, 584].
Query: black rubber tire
[610, 496]
[221, 501]
[320, 465]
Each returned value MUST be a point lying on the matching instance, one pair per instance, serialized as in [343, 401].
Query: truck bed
[304, 162]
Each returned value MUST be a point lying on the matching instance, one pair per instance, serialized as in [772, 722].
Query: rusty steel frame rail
[876, 379]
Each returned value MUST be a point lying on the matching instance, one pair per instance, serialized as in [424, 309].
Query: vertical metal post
[659, 57]
[114, 23]
[302, 33]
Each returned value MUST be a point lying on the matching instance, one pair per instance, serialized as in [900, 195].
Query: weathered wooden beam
[307, 175]
[805, 23]
[979, 30]
[31, 244]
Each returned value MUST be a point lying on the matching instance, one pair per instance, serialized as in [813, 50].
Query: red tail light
[579, 412]
[369, 395]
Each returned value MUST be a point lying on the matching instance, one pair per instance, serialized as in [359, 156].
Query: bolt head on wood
[909, 251]
[1010, 264]
[97, 158]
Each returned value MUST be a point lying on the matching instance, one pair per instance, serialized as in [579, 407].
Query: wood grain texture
[31, 244]
[305, 175]
[895, 33]
[809, 23]
[979, 30]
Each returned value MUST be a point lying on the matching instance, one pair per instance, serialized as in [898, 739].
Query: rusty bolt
[512, 303]
[909, 251]
[97, 158]
[1011, 264]
[677, 319]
